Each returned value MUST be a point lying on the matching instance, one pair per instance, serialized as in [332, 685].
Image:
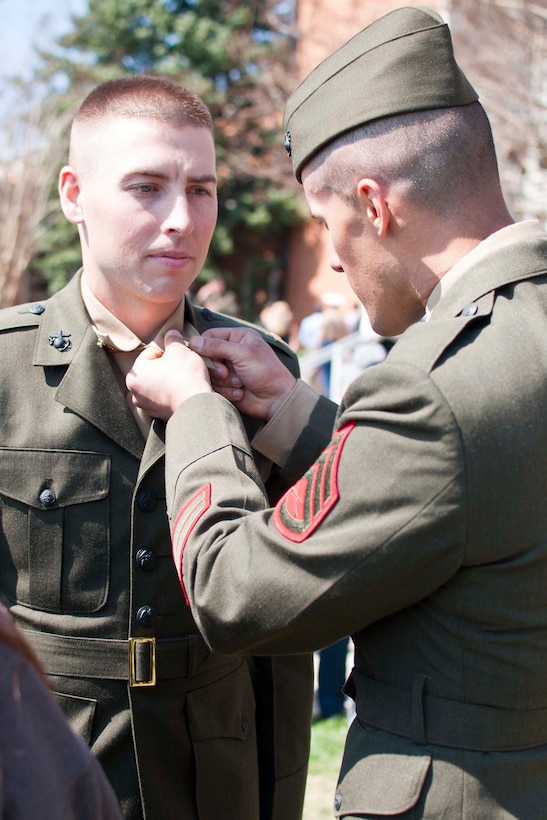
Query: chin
[167, 288]
[387, 323]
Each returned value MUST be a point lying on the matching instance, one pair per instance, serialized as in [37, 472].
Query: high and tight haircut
[438, 156]
[145, 96]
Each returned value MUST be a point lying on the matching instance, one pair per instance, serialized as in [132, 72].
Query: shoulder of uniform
[22, 316]
[209, 318]
[425, 343]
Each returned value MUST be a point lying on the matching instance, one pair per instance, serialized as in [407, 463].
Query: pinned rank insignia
[185, 522]
[300, 511]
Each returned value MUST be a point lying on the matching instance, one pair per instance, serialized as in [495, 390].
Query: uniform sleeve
[375, 525]
[278, 437]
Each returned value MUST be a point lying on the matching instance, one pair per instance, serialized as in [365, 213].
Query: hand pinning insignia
[60, 341]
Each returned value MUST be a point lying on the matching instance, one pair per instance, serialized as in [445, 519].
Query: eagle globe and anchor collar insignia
[60, 341]
[300, 511]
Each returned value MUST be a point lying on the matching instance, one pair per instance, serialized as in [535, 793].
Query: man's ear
[70, 195]
[373, 200]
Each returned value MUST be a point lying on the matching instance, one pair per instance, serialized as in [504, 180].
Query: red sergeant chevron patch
[185, 522]
[306, 504]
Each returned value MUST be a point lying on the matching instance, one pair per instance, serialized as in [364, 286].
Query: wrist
[280, 400]
[179, 397]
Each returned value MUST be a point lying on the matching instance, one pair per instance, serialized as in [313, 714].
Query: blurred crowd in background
[335, 341]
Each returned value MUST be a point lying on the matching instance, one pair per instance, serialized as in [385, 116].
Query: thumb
[173, 336]
[149, 353]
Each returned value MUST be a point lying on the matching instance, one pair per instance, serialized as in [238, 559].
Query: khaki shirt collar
[114, 335]
[124, 345]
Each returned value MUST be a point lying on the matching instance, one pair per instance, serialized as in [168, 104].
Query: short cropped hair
[437, 157]
[145, 97]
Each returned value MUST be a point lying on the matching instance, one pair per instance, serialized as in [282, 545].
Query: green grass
[327, 744]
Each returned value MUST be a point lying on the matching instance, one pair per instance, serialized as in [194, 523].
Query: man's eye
[144, 188]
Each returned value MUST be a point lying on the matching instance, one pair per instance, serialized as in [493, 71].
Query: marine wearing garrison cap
[402, 62]
[419, 527]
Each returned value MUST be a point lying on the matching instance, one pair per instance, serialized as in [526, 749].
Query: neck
[446, 243]
[141, 316]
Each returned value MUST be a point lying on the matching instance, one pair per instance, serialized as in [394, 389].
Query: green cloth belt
[110, 659]
[426, 719]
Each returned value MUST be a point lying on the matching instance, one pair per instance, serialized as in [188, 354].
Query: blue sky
[31, 22]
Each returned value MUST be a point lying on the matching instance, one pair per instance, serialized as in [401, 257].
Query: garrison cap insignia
[300, 511]
[288, 146]
[185, 522]
[60, 341]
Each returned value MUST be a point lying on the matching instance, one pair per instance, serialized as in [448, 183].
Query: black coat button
[146, 616]
[47, 498]
[146, 500]
[146, 559]
[207, 315]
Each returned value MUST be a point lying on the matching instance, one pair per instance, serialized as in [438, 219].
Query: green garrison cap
[402, 62]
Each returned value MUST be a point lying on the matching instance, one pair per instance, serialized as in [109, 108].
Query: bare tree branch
[34, 142]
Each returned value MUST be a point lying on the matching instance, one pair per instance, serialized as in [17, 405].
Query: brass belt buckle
[134, 643]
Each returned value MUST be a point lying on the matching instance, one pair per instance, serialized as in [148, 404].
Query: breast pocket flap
[67, 477]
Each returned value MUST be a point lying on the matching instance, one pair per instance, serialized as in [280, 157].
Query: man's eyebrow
[147, 172]
[144, 172]
[204, 178]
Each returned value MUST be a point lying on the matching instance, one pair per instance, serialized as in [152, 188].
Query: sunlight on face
[371, 262]
[147, 208]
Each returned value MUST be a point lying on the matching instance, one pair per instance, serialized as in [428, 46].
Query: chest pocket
[54, 534]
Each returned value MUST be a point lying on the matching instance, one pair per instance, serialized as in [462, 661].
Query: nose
[335, 263]
[178, 218]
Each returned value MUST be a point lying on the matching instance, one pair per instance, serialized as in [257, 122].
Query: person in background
[331, 677]
[320, 329]
[86, 564]
[214, 296]
[46, 771]
[277, 317]
[310, 333]
[420, 529]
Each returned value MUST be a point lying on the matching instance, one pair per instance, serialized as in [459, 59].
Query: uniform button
[37, 308]
[146, 559]
[146, 500]
[146, 616]
[47, 498]
[207, 315]
[338, 802]
[243, 725]
[470, 309]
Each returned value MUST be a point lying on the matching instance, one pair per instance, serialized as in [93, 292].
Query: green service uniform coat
[421, 531]
[86, 568]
